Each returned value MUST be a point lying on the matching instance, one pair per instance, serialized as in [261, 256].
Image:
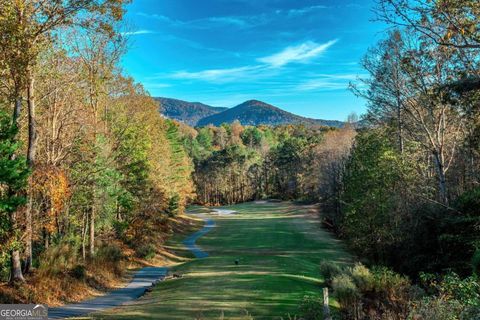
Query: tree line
[87, 161]
[409, 189]
[235, 163]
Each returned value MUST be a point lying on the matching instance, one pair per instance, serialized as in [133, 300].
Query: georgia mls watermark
[23, 312]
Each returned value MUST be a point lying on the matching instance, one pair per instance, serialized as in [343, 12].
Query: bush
[378, 293]
[329, 270]
[109, 256]
[452, 287]
[437, 309]
[389, 282]
[362, 277]
[4, 266]
[109, 253]
[58, 259]
[345, 290]
[146, 251]
[120, 228]
[467, 290]
[79, 272]
[311, 308]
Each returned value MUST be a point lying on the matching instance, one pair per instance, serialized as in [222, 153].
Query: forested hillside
[254, 112]
[187, 112]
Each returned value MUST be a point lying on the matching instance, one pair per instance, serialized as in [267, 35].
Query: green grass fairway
[279, 249]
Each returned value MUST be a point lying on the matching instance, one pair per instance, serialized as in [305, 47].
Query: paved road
[190, 241]
[142, 280]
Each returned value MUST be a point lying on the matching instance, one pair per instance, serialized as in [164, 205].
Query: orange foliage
[52, 185]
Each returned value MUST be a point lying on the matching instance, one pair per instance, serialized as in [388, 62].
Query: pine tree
[13, 180]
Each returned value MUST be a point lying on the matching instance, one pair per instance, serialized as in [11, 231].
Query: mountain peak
[251, 112]
[255, 103]
[188, 112]
[256, 112]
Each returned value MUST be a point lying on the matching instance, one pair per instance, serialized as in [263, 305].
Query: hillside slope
[187, 112]
[254, 112]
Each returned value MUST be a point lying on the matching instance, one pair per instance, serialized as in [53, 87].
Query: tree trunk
[400, 123]
[16, 110]
[29, 231]
[84, 234]
[92, 231]
[32, 147]
[16, 267]
[16, 272]
[442, 181]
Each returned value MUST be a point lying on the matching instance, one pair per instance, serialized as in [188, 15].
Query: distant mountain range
[188, 112]
[251, 112]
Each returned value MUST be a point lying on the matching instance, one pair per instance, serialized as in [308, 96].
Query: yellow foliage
[52, 185]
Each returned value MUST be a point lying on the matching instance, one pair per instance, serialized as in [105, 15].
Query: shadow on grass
[278, 266]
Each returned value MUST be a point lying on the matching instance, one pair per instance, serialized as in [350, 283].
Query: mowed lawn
[279, 250]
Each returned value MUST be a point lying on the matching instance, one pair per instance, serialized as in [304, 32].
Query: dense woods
[90, 170]
[410, 186]
[88, 165]
[236, 164]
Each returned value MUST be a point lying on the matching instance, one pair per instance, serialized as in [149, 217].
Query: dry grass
[55, 285]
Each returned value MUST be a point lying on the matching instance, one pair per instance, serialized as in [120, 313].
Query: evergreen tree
[13, 180]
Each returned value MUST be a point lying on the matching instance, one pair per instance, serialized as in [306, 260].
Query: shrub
[146, 251]
[378, 293]
[58, 259]
[389, 282]
[362, 277]
[120, 228]
[311, 308]
[79, 272]
[437, 309]
[329, 270]
[391, 296]
[345, 290]
[109, 253]
[109, 256]
[452, 287]
[467, 290]
[4, 266]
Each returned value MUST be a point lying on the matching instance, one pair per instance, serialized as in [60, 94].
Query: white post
[326, 307]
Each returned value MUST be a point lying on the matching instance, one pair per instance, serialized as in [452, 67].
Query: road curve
[142, 280]
[190, 241]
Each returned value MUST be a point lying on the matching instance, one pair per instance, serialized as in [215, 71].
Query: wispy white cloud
[328, 82]
[239, 21]
[138, 32]
[299, 53]
[228, 20]
[158, 17]
[219, 75]
[208, 22]
[321, 84]
[267, 67]
[156, 85]
[305, 10]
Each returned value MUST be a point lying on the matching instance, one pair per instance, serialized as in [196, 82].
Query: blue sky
[299, 55]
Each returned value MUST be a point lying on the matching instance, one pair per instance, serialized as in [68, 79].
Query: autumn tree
[27, 28]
